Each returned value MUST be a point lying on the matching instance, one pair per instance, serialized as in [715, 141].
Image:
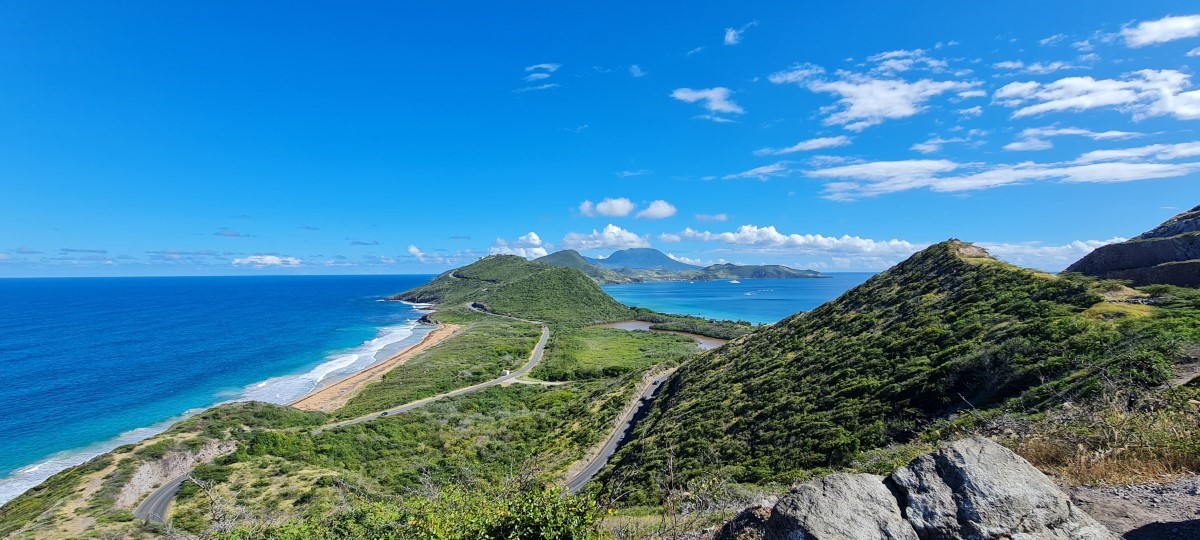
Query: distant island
[636, 265]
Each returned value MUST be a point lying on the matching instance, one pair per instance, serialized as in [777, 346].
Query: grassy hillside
[511, 285]
[767, 271]
[948, 330]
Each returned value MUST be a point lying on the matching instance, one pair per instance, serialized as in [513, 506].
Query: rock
[976, 489]
[749, 524]
[840, 506]
[973, 489]
[1170, 254]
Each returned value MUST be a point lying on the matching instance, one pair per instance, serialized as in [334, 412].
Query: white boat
[734, 281]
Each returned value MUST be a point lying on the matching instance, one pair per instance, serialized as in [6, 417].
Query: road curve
[619, 435]
[154, 507]
[534, 358]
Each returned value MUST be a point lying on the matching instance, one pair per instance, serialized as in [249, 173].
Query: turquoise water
[89, 364]
[758, 301]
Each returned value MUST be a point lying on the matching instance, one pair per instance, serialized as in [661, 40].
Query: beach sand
[334, 396]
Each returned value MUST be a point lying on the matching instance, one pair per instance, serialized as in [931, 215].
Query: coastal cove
[759, 301]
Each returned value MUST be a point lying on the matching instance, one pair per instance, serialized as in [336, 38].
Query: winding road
[619, 435]
[154, 508]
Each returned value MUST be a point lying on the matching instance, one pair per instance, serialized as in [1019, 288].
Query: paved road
[618, 437]
[154, 508]
[534, 358]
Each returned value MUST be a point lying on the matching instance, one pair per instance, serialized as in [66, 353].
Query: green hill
[511, 285]
[754, 271]
[569, 258]
[948, 329]
[646, 264]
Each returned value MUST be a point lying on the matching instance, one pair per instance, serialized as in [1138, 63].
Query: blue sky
[231, 138]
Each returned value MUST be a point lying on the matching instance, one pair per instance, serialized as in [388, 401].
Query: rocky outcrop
[1170, 254]
[977, 489]
[973, 489]
[154, 473]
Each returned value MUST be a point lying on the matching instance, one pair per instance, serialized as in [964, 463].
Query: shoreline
[334, 396]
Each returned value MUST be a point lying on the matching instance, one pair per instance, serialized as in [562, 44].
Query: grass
[593, 353]
[1107, 311]
[484, 348]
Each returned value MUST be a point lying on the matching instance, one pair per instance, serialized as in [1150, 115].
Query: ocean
[90, 364]
[760, 301]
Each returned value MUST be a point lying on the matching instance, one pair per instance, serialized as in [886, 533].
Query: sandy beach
[334, 396]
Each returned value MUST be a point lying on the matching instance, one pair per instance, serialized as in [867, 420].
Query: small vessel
[734, 281]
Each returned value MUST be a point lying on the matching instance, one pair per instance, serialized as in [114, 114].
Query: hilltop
[511, 285]
[1167, 254]
[647, 264]
[948, 330]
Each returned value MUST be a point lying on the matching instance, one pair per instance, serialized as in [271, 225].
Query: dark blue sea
[89, 364]
[754, 300]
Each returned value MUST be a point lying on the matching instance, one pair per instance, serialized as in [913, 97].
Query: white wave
[279, 390]
[29, 476]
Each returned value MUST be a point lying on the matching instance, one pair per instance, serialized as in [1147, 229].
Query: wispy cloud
[524, 89]
[805, 146]
[639, 172]
[1039, 138]
[733, 36]
[712, 217]
[714, 100]
[354, 242]
[761, 173]
[637, 71]
[1144, 93]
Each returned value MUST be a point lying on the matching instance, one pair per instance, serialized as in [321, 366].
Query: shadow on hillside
[1175, 530]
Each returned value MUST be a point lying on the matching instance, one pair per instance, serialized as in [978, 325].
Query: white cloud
[1155, 152]
[267, 260]
[935, 144]
[804, 146]
[733, 36]
[639, 172]
[972, 111]
[524, 89]
[712, 217]
[972, 94]
[770, 238]
[1162, 30]
[856, 181]
[529, 246]
[537, 76]
[1194, 53]
[1052, 40]
[1036, 138]
[697, 50]
[609, 207]
[544, 67]
[903, 60]
[762, 173]
[865, 101]
[636, 71]
[715, 100]
[657, 210]
[1047, 257]
[612, 237]
[1036, 68]
[1142, 93]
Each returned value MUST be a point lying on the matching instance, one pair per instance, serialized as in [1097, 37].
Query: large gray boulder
[975, 489]
[837, 507]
